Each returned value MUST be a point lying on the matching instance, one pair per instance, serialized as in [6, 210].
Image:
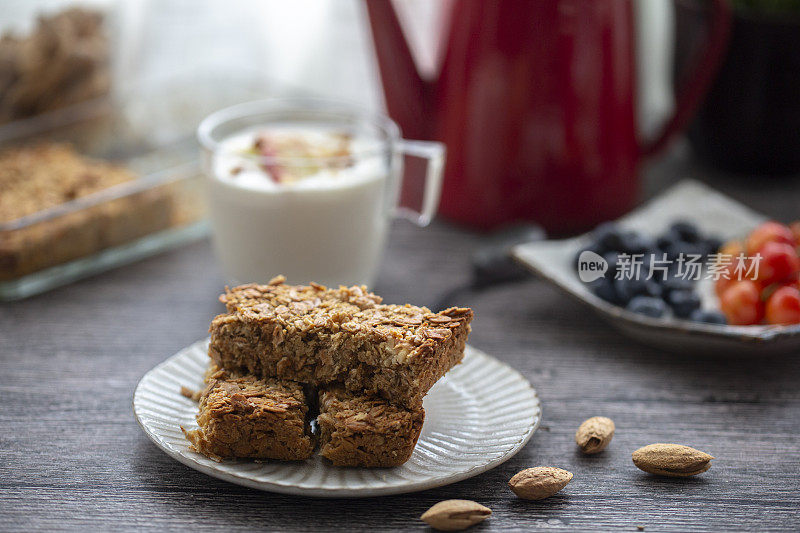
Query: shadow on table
[179, 495]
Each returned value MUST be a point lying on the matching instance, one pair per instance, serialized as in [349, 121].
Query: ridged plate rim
[504, 411]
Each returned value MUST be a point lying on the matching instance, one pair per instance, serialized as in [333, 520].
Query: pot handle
[705, 69]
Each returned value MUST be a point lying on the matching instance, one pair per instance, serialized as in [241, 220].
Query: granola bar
[366, 431]
[64, 60]
[41, 177]
[315, 335]
[243, 416]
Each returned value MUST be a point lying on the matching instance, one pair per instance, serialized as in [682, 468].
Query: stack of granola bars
[284, 355]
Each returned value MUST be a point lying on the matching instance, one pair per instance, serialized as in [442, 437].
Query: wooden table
[72, 456]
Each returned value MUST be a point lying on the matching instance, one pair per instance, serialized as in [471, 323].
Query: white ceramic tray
[715, 214]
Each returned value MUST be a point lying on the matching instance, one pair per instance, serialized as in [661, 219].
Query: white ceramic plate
[715, 214]
[476, 417]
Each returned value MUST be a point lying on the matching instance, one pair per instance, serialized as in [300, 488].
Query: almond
[539, 482]
[594, 434]
[455, 515]
[673, 460]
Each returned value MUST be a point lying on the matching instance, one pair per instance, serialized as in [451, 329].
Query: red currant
[783, 307]
[768, 232]
[741, 303]
[779, 261]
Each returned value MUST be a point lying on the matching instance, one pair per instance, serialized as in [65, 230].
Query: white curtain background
[315, 46]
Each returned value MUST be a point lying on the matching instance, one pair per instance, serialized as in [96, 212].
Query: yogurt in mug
[307, 202]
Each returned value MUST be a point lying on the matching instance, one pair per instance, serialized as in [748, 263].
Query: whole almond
[674, 460]
[455, 515]
[539, 482]
[594, 434]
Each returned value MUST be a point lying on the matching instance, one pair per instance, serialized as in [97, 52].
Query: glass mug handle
[434, 153]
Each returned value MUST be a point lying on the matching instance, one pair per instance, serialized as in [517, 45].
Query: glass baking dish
[150, 132]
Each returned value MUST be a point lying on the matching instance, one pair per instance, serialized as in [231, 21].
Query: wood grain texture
[72, 456]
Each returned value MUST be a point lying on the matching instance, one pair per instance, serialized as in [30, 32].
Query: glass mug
[329, 222]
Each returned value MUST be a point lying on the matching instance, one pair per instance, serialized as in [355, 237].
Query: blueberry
[660, 270]
[674, 250]
[647, 261]
[668, 240]
[647, 305]
[686, 230]
[612, 258]
[709, 317]
[693, 248]
[683, 302]
[648, 245]
[674, 282]
[653, 288]
[604, 288]
[713, 244]
[608, 237]
[674, 246]
[628, 288]
[636, 243]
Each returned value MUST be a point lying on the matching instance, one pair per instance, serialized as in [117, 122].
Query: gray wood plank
[73, 457]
